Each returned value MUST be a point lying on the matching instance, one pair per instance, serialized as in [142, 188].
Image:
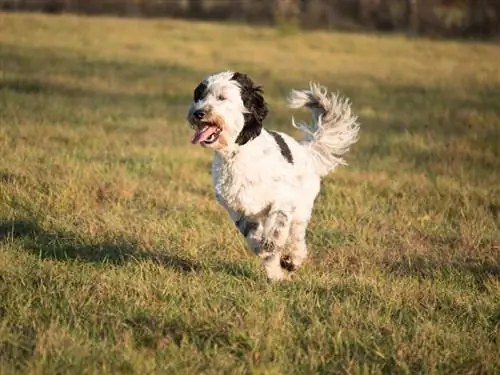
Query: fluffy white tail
[334, 128]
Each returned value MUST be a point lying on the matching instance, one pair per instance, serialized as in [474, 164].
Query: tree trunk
[195, 8]
[413, 18]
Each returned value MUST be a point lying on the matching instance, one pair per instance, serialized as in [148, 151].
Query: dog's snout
[199, 114]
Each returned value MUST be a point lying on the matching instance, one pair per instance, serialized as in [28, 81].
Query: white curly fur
[269, 198]
[334, 129]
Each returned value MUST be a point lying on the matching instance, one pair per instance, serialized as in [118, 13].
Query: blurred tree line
[448, 18]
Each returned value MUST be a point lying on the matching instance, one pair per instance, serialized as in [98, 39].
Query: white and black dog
[266, 180]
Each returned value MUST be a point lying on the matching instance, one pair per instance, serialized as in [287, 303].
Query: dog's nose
[199, 114]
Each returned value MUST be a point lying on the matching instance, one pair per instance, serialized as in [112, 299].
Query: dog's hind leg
[296, 252]
[252, 231]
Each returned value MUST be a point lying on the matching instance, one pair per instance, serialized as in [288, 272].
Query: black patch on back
[200, 92]
[253, 99]
[285, 150]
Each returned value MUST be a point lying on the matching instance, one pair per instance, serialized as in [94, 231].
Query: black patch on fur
[285, 150]
[253, 99]
[268, 246]
[245, 226]
[200, 92]
[250, 227]
[287, 264]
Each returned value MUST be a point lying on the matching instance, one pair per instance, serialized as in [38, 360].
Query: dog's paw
[279, 278]
[267, 246]
[286, 262]
[274, 239]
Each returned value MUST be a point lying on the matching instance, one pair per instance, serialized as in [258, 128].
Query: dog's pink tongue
[203, 134]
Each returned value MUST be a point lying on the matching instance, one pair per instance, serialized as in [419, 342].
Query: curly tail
[334, 128]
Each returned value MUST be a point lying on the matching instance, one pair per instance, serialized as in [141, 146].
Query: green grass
[115, 258]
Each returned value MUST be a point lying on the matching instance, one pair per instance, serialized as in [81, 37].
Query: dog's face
[227, 110]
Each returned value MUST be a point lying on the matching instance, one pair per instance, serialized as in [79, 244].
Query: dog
[266, 180]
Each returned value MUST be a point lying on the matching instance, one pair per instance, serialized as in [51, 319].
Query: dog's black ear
[253, 99]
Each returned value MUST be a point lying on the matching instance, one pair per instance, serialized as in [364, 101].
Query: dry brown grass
[114, 257]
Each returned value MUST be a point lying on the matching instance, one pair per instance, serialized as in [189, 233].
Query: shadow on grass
[426, 267]
[36, 86]
[31, 73]
[33, 61]
[151, 332]
[61, 246]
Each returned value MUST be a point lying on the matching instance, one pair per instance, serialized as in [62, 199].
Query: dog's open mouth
[206, 134]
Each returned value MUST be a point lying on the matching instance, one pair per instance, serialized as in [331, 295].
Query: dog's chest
[242, 185]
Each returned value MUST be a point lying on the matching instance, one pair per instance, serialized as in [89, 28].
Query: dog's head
[227, 110]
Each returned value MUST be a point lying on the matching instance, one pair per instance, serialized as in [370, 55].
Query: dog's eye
[221, 97]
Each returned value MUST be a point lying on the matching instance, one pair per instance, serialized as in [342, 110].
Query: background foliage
[449, 18]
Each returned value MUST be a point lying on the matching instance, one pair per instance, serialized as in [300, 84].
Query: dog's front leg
[275, 236]
[277, 227]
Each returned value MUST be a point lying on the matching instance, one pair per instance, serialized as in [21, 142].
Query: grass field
[115, 258]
